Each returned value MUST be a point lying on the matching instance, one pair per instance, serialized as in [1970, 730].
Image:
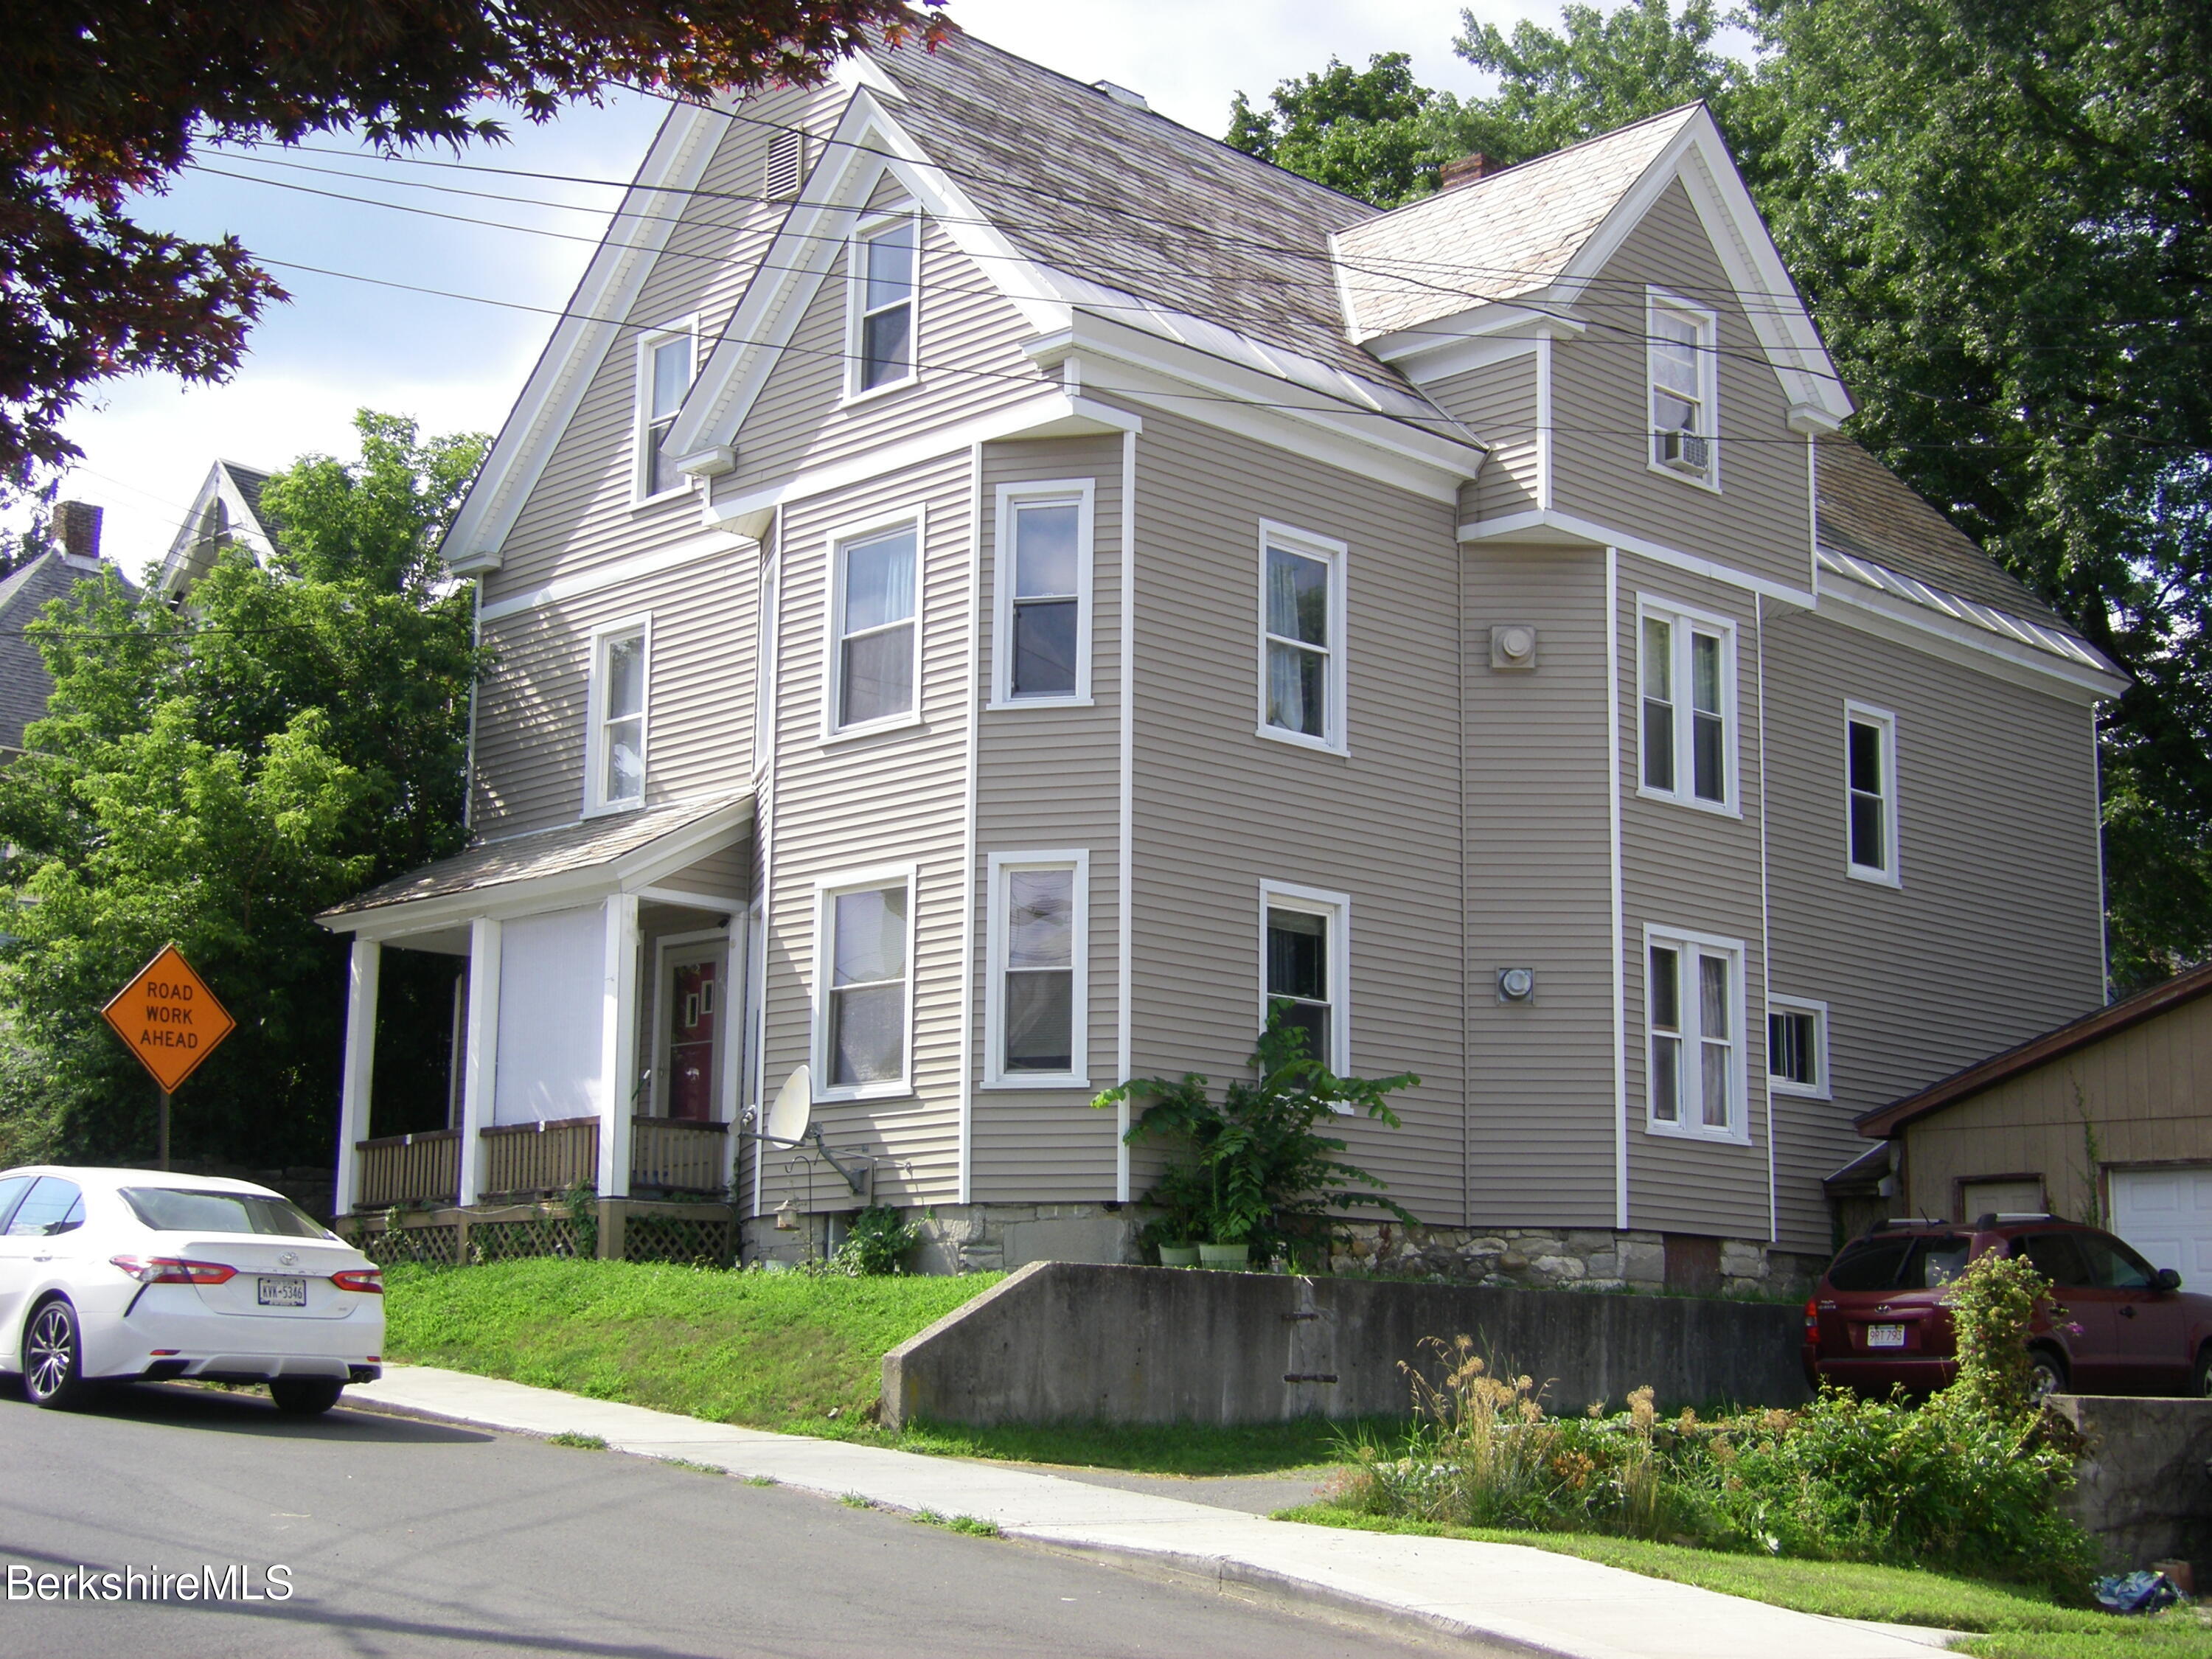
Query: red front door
[694, 1016]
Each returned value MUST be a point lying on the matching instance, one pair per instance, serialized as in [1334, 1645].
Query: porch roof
[626, 851]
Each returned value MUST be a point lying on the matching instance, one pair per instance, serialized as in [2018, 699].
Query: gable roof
[2107, 1021]
[227, 508]
[24, 686]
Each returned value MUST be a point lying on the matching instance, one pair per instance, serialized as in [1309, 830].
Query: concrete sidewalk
[1500, 1597]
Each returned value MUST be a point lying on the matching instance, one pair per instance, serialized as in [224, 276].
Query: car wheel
[2046, 1373]
[305, 1396]
[53, 1357]
[2200, 1379]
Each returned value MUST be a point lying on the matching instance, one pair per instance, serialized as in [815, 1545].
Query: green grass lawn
[2017, 1625]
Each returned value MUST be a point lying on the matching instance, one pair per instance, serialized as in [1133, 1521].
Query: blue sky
[342, 345]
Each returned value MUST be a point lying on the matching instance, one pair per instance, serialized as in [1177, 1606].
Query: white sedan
[126, 1275]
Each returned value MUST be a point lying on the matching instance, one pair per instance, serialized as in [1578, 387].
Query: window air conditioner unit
[1685, 452]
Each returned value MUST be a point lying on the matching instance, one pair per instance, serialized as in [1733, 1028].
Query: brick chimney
[76, 524]
[1467, 170]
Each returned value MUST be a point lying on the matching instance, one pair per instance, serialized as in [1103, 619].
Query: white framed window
[1305, 961]
[1040, 607]
[873, 672]
[765, 709]
[1797, 1047]
[1682, 369]
[1038, 1002]
[1693, 1014]
[864, 984]
[1302, 638]
[1685, 701]
[885, 325]
[1870, 794]
[616, 715]
[664, 376]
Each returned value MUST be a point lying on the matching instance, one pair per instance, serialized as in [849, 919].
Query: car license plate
[1878, 1336]
[283, 1293]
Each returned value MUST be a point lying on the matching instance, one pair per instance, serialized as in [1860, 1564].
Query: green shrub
[879, 1241]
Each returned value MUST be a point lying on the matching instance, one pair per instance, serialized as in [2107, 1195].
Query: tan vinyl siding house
[897, 397]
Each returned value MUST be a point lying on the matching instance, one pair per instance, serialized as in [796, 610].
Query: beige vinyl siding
[970, 362]
[1540, 1074]
[2141, 1091]
[725, 872]
[893, 797]
[1697, 871]
[1219, 808]
[531, 703]
[1759, 520]
[1996, 934]
[1048, 779]
[1499, 402]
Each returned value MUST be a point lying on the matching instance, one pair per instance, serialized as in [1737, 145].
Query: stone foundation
[1000, 1237]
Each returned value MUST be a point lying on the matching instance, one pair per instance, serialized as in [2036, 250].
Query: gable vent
[787, 161]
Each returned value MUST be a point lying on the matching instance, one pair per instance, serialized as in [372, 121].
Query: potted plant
[1257, 1177]
[1180, 1255]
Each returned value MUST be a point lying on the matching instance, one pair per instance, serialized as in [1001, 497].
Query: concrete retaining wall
[2145, 1486]
[1061, 1341]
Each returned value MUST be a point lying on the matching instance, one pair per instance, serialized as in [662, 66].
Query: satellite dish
[795, 1105]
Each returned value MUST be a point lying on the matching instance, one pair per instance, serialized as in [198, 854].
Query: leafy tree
[103, 99]
[1365, 132]
[216, 775]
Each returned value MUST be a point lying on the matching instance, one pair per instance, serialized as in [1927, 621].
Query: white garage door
[2167, 1215]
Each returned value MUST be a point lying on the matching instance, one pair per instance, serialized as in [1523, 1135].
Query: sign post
[169, 1018]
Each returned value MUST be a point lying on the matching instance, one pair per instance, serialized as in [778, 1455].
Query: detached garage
[2107, 1120]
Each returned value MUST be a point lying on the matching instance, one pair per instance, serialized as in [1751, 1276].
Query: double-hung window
[881, 352]
[1301, 653]
[1797, 1047]
[1695, 1016]
[1686, 681]
[1870, 794]
[1305, 967]
[1037, 1008]
[1681, 363]
[863, 983]
[874, 626]
[614, 743]
[664, 375]
[1042, 594]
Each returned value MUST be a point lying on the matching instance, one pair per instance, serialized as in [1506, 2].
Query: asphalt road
[409, 1538]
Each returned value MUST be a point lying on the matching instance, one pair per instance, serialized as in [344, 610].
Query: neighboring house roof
[25, 685]
[1512, 232]
[227, 507]
[2115, 1016]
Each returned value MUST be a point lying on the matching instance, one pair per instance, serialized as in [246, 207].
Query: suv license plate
[1878, 1336]
[283, 1293]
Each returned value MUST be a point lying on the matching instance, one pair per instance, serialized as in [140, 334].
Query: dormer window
[883, 306]
[1682, 366]
[664, 375]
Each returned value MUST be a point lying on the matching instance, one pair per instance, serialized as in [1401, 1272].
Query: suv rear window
[181, 1210]
[1900, 1262]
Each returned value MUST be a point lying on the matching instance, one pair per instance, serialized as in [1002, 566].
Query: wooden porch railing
[409, 1170]
[547, 1158]
[678, 1155]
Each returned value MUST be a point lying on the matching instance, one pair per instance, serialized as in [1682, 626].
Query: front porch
[545, 1159]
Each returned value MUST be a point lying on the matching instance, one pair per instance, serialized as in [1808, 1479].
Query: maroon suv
[1877, 1317]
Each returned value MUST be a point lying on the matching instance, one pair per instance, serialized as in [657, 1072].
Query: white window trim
[1861, 713]
[995, 1076]
[1709, 385]
[834, 618]
[1012, 497]
[1337, 908]
[1738, 1133]
[595, 705]
[1684, 618]
[1337, 555]
[826, 892]
[684, 328]
[856, 303]
[1822, 1088]
[766, 702]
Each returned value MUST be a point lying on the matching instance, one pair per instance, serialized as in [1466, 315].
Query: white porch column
[617, 1045]
[360, 1071]
[480, 1066]
[734, 1032]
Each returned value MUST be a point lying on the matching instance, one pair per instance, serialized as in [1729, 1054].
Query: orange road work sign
[169, 1018]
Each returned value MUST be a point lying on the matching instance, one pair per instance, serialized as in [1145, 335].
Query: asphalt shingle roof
[25, 685]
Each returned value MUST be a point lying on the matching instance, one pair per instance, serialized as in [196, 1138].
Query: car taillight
[172, 1270]
[370, 1281]
[1812, 1316]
